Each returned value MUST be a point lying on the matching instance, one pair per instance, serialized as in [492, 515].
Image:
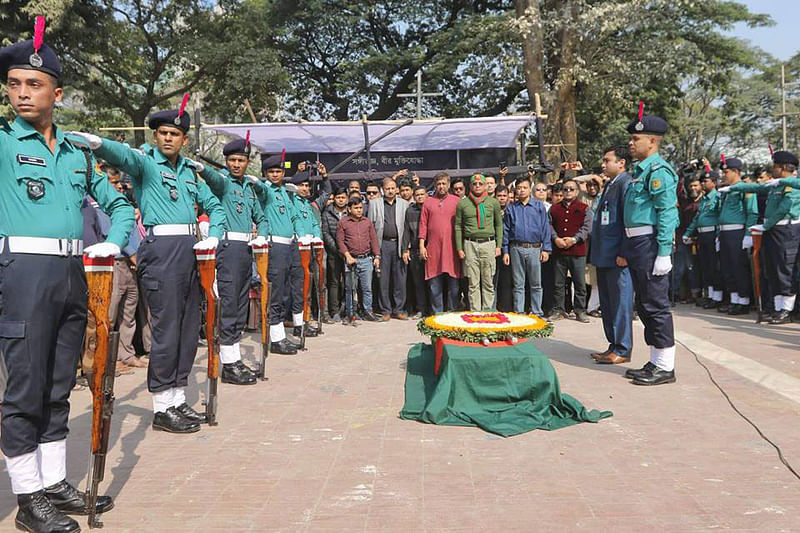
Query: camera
[692, 166]
[311, 166]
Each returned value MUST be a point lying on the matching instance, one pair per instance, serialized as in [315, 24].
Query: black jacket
[330, 221]
[411, 232]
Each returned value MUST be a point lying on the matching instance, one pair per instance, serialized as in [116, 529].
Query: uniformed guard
[738, 211]
[167, 191]
[309, 232]
[781, 230]
[704, 225]
[45, 176]
[285, 272]
[651, 217]
[234, 259]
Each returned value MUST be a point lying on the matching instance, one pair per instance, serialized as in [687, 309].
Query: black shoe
[332, 320]
[190, 414]
[69, 500]
[172, 421]
[595, 314]
[655, 377]
[634, 372]
[711, 304]
[237, 374]
[723, 308]
[781, 317]
[739, 309]
[701, 302]
[284, 347]
[370, 317]
[580, 316]
[38, 514]
[310, 331]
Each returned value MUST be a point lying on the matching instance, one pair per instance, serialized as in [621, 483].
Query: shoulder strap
[87, 154]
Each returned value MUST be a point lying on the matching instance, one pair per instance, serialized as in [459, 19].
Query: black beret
[22, 55]
[300, 177]
[712, 175]
[733, 163]
[650, 125]
[272, 161]
[782, 157]
[169, 117]
[239, 146]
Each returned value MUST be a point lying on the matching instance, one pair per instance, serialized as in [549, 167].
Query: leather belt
[787, 221]
[362, 256]
[479, 239]
[731, 227]
[390, 239]
[526, 244]
[639, 231]
[706, 229]
[237, 236]
[164, 230]
[43, 246]
[281, 240]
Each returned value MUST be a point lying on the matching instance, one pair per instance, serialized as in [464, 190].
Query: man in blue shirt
[526, 245]
[614, 283]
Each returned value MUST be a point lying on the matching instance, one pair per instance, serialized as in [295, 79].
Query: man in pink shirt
[437, 244]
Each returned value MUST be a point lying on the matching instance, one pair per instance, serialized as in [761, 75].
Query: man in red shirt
[572, 224]
[358, 243]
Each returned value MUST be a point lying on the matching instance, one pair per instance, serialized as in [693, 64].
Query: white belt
[638, 232]
[731, 227]
[43, 246]
[172, 229]
[237, 236]
[786, 221]
[281, 240]
[706, 229]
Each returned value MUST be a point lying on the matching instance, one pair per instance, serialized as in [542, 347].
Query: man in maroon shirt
[572, 224]
[358, 243]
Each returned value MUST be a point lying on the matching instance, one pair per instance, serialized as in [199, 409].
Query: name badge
[167, 175]
[605, 218]
[31, 160]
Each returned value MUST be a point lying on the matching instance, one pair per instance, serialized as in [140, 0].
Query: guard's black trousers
[734, 262]
[286, 276]
[780, 248]
[42, 322]
[234, 270]
[652, 292]
[168, 272]
[708, 261]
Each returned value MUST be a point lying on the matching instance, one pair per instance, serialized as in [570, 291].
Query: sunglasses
[570, 189]
[371, 193]
[540, 190]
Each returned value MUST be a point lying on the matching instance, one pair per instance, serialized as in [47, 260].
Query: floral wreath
[483, 327]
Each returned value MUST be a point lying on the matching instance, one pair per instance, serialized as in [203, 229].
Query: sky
[779, 40]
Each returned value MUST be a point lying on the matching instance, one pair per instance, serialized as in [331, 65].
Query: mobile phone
[503, 164]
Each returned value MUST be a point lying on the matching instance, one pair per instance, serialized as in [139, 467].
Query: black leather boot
[69, 500]
[283, 347]
[190, 414]
[38, 514]
[631, 373]
[656, 376]
[172, 421]
[237, 374]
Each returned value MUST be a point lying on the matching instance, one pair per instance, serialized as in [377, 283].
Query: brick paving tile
[319, 447]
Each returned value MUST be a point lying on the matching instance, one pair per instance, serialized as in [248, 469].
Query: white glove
[198, 167]
[716, 244]
[252, 179]
[772, 183]
[93, 142]
[258, 241]
[758, 228]
[662, 265]
[724, 189]
[747, 242]
[305, 240]
[686, 240]
[210, 243]
[102, 249]
[291, 187]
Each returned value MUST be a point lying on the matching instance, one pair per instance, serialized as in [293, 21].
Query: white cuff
[228, 354]
[788, 302]
[53, 462]
[277, 333]
[24, 473]
[179, 396]
[163, 400]
[297, 319]
[663, 358]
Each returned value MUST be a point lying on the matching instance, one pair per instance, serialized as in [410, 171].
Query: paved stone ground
[319, 447]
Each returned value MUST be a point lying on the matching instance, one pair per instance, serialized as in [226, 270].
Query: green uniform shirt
[782, 201]
[166, 194]
[239, 201]
[651, 200]
[279, 209]
[28, 168]
[466, 224]
[707, 213]
[307, 223]
[738, 208]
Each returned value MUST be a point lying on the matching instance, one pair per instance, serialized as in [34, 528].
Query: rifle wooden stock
[261, 255]
[305, 262]
[99, 280]
[756, 270]
[206, 268]
[319, 249]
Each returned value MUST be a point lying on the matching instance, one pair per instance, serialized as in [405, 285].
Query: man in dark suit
[614, 281]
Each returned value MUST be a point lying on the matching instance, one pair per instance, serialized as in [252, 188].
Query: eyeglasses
[540, 190]
[570, 189]
[372, 193]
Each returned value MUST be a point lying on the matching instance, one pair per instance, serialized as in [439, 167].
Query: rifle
[206, 267]
[261, 254]
[99, 279]
[319, 247]
[305, 262]
[755, 272]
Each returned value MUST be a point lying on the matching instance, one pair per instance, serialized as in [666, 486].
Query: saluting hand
[91, 141]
